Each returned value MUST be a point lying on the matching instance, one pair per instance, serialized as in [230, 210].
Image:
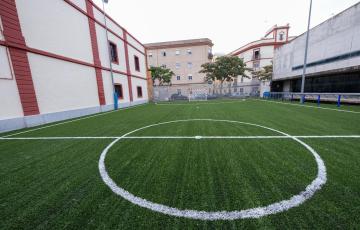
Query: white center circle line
[257, 212]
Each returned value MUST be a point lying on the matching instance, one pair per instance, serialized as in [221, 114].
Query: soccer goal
[200, 94]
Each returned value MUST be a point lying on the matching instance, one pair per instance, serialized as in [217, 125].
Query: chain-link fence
[203, 92]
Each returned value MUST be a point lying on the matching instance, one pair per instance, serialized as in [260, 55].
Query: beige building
[184, 58]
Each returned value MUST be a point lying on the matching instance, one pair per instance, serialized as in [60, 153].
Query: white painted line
[309, 106]
[55, 138]
[78, 119]
[257, 212]
[183, 137]
[328, 136]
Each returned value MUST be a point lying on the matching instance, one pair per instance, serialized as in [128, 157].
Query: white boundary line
[183, 137]
[309, 106]
[73, 120]
[258, 212]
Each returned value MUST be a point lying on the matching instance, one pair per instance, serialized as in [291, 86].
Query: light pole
[111, 67]
[305, 56]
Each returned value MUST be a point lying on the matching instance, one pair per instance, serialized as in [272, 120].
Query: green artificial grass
[55, 184]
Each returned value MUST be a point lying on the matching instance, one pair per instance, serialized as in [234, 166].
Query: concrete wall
[336, 36]
[68, 65]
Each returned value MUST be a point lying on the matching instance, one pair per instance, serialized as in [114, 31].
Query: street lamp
[305, 56]
[111, 67]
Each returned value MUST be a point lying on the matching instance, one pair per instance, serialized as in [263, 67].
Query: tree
[163, 75]
[265, 74]
[225, 68]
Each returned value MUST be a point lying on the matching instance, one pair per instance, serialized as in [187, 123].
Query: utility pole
[305, 56]
[111, 67]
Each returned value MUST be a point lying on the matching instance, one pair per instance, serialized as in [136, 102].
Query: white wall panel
[104, 50]
[133, 42]
[80, 3]
[132, 53]
[5, 64]
[139, 82]
[115, 28]
[61, 85]
[122, 79]
[10, 104]
[57, 27]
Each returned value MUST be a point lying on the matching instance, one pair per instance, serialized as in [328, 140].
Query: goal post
[198, 94]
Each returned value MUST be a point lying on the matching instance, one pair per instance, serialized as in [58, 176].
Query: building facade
[184, 58]
[333, 64]
[258, 54]
[55, 62]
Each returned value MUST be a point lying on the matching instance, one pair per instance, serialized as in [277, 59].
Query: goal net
[200, 94]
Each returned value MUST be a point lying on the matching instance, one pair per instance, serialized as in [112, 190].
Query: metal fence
[338, 98]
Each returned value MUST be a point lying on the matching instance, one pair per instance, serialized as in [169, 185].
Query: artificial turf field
[204, 161]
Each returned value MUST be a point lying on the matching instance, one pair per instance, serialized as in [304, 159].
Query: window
[163, 53]
[189, 65]
[190, 77]
[113, 53]
[256, 54]
[178, 78]
[188, 51]
[281, 36]
[256, 64]
[139, 91]
[177, 65]
[150, 55]
[119, 91]
[137, 63]
[177, 52]
[242, 80]
[179, 91]
[163, 66]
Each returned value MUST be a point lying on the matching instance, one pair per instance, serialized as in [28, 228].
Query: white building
[258, 54]
[333, 57]
[55, 65]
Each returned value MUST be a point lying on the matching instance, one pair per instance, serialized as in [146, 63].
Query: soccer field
[212, 164]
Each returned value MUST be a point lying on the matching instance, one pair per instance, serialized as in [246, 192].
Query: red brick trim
[19, 59]
[96, 55]
[128, 70]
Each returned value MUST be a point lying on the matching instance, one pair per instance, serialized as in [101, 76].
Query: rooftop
[179, 43]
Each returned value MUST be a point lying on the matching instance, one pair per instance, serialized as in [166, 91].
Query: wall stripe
[60, 57]
[96, 55]
[128, 71]
[21, 66]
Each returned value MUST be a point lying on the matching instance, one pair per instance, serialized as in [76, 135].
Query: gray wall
[336, 36]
